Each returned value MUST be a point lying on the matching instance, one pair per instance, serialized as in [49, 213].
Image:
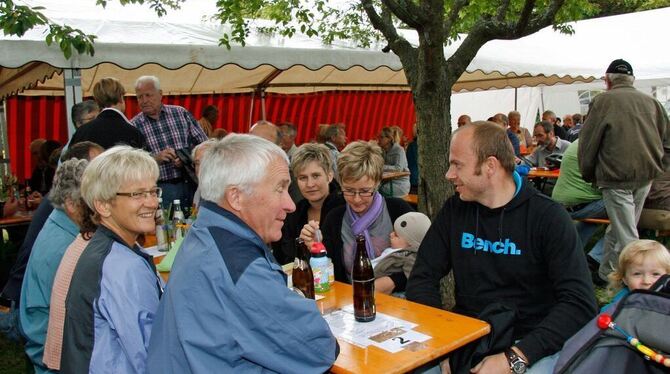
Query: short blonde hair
[361, 159]
[634, 252]
[309, 152]
[108, 92]
[113, 168]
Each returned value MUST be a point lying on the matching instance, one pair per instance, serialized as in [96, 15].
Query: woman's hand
[11, 207]
[384, 285]
[308, 232]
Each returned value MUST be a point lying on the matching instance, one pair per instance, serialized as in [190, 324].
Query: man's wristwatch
[516, 363]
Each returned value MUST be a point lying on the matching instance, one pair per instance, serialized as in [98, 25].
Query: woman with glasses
[115, 289]
[366, 212]
[395, 159]
[312, 168]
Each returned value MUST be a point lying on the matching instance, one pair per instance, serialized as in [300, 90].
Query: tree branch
[453, 14]
[406, 12]
[466, 52]
[502, 10]
[385, 25]
[524, 17]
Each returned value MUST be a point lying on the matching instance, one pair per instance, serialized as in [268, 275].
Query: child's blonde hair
[632, 253]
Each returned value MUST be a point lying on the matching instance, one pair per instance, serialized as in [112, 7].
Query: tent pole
[251, 109]
[515, 99]
[263, 104]
[72, 83]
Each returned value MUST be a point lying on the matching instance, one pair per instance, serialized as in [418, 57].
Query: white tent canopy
[129, 45]
[183, 50]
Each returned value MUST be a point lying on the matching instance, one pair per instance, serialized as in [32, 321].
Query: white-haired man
[168, 129]
[228, 308]
[621, 151]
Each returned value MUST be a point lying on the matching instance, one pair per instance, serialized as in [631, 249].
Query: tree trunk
[431, 92]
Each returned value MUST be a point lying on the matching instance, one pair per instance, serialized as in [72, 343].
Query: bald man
[266, 130]
[463, 120]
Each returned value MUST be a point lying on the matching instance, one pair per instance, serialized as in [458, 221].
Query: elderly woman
[366, 212]
[59, 230]
[115, 289]
[312, 167]
[61, 284]
[395, 159]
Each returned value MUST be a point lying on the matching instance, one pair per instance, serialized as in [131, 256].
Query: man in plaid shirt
[167, 128]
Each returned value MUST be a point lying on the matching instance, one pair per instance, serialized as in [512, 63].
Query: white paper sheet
[386, 332]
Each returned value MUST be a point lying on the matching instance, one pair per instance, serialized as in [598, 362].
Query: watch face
[519, 367]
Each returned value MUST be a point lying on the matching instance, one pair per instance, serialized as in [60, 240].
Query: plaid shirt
[176, 128]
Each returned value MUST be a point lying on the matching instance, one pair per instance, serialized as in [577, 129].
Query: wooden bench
[598, 221]
[412, 199]
[605, 221]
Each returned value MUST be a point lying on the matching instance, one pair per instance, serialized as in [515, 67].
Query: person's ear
[103, 208]
[491, 164]
[234, 198]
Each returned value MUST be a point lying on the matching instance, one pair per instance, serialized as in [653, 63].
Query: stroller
[643, 314]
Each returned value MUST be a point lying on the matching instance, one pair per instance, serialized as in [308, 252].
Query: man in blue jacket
[227, 308]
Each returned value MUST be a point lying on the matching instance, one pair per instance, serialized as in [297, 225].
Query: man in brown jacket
[621, 149]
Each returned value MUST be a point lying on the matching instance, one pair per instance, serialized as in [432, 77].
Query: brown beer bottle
[303, 278]
[363, 278]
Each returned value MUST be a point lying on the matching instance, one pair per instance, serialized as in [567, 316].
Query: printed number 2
[401, 340]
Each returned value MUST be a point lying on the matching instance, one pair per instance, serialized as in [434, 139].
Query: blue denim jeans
[595, 209]
[9, 324]
[182, 191]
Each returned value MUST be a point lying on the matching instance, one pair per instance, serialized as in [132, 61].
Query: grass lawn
[12, 358]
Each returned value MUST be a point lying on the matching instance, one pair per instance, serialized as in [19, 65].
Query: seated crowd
[89, 299]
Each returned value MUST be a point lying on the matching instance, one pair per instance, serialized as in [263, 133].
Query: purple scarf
[360, 224]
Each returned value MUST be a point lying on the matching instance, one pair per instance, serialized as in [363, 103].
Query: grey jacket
[395, 159]
[623, 139]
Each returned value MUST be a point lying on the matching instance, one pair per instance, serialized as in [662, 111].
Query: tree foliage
[429, 73]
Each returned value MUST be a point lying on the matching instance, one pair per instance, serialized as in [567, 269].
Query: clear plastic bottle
[162, 240]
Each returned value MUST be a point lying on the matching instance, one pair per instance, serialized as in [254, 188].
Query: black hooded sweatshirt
[526, 254]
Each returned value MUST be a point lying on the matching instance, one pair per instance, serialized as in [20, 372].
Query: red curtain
[363, 113]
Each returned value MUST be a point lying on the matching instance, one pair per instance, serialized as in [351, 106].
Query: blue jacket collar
[61, 219]
[210, 213]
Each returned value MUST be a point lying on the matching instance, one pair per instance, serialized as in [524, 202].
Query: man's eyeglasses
[137, 195]
[362, 193]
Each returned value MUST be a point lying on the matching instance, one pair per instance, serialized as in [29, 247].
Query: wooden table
[548, 174]
[388, 176]
[449, 331]
[391, 175]
[19, 218]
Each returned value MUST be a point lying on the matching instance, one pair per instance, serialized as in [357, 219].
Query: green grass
[12, 358]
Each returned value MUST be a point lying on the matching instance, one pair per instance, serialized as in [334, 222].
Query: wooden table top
[448, 332]
[19, 218]
[550, 174]
[390, 175]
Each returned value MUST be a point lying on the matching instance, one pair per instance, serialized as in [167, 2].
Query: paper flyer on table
[386, 332]
[153, 251]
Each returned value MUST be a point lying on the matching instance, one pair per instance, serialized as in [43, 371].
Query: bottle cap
[176, 201]
[318, 248]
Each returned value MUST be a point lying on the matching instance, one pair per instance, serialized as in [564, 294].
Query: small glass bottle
[162, 240]
[178, 220]
[303, 278]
